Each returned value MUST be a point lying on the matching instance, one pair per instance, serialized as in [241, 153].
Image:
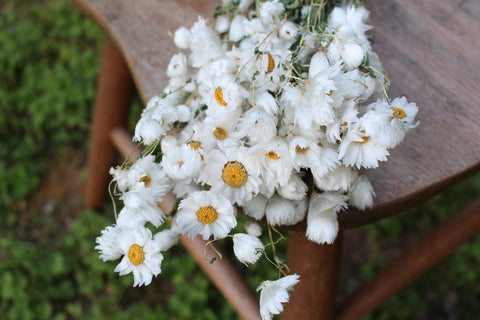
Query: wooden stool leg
[437, 244]
[315, 295]
[114, 92]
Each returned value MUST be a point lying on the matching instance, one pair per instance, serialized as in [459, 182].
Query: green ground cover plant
[49, 59]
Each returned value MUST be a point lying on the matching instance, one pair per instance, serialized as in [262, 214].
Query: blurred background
[49, 62]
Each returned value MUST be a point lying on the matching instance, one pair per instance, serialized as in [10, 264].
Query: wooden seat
[431, 51]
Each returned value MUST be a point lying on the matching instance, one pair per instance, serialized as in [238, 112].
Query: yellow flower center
[180, 163]
[234, 174]
[319, 144]
[301, 150]
[364, 139]
[219, 97]
[146, 180]
[207, 215]
[195, 145]
[271, 63]
[398, 113]
[272, 155]
[220, 133]
[136, 255]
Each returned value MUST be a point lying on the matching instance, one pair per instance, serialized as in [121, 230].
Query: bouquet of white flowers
[270, 112]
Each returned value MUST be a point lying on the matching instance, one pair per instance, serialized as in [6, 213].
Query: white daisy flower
[318, 64]
[238, 28]
[221, 132]
[353, 54]
[255, 207]
[283, 212]
[142, 186]
[356, 18]
[207, 214]
[263, 99]
[362, 194]
[182, 163]
[322, 224]
[182, 38]
[288, 31]
[291, 130]
[223, 96]
[177, 67]
[310, 103]
[277, 210]
[390, 121]
[148, 179]
[108, 243]
[274, 293]
[258, 126]
[262, 71]
[197, 146]
[358, 148]
[295, 189]
[253, 228]
[339, 179]
[308, 153]
[121, 178]
[276, 164]
[168, 142]
[304, 152]
[148, 130]
[232, 174]
[155, 120]
[253, 32]
[222, 24]
[184, 113]
[193, 133]
[204, 44]
[344, 115]
[137, 214]
[350, 41]
[405, 111]
[247, 248]
[215, 74]
[166, 239]
[141, 255]
[355, 85]
[346, 48]
[270, 12]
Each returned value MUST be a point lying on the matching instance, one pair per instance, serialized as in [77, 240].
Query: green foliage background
[49, 59]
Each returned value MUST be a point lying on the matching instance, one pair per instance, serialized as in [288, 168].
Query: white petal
[247, 248]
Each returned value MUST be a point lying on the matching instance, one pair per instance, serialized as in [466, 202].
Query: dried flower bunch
[270, 111]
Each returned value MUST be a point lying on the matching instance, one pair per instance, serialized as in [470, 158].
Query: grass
[49, 59]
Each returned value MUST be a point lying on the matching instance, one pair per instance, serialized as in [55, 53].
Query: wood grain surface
[430, 49]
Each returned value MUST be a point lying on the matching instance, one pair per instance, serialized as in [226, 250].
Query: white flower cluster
[269, 112]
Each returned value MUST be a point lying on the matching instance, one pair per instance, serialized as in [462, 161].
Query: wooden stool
[431, 50]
